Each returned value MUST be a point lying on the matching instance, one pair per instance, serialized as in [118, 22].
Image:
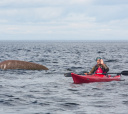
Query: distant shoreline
[93, 41]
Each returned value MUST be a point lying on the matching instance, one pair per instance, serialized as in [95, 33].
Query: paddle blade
[124, 73]
[68, 74]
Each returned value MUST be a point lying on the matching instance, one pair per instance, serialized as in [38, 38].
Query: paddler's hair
[98, 58]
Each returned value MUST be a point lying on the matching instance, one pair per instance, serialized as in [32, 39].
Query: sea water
[49, 92]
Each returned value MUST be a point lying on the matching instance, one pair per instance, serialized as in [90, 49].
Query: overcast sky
[63, 19]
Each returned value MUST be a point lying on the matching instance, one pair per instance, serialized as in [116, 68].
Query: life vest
[99, 70]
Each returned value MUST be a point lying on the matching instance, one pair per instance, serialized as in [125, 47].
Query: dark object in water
[16, 64]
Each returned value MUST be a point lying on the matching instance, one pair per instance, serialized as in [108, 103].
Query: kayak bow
[78, 79]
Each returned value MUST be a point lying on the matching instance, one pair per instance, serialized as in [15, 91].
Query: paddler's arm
[105, 66]
[91, 72]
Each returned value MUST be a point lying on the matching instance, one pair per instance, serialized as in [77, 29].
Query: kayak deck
[93, 78]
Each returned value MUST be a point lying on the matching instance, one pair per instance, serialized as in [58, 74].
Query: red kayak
[78, 79]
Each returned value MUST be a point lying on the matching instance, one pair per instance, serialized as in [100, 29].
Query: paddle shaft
[123, 73]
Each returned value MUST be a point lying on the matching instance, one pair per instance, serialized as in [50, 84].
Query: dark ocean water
[49, 92]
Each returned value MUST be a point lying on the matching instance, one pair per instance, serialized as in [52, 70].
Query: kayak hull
[78, 79]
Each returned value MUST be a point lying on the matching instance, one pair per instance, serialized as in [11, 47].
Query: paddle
[123, 73]
[69, 74]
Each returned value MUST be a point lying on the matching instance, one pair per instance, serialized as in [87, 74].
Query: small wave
[72, 90]
[125, 102]
[112, 60]
[100, 52]
[125, 95]
[70, 105]
[68, 69]
[7, 102]
[101, 105]
[76, 68]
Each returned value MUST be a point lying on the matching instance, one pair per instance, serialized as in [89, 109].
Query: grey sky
[63, 19]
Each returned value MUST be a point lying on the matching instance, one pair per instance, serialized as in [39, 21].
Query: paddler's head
[98, 60]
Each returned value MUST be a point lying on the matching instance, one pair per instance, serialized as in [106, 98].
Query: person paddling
[100, 67]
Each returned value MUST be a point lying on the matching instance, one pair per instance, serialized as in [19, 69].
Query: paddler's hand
[86, 73]
[102, 62]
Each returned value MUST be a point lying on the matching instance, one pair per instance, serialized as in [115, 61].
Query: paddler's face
[98, 61]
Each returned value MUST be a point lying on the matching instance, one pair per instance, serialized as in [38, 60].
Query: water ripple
[41, 92]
